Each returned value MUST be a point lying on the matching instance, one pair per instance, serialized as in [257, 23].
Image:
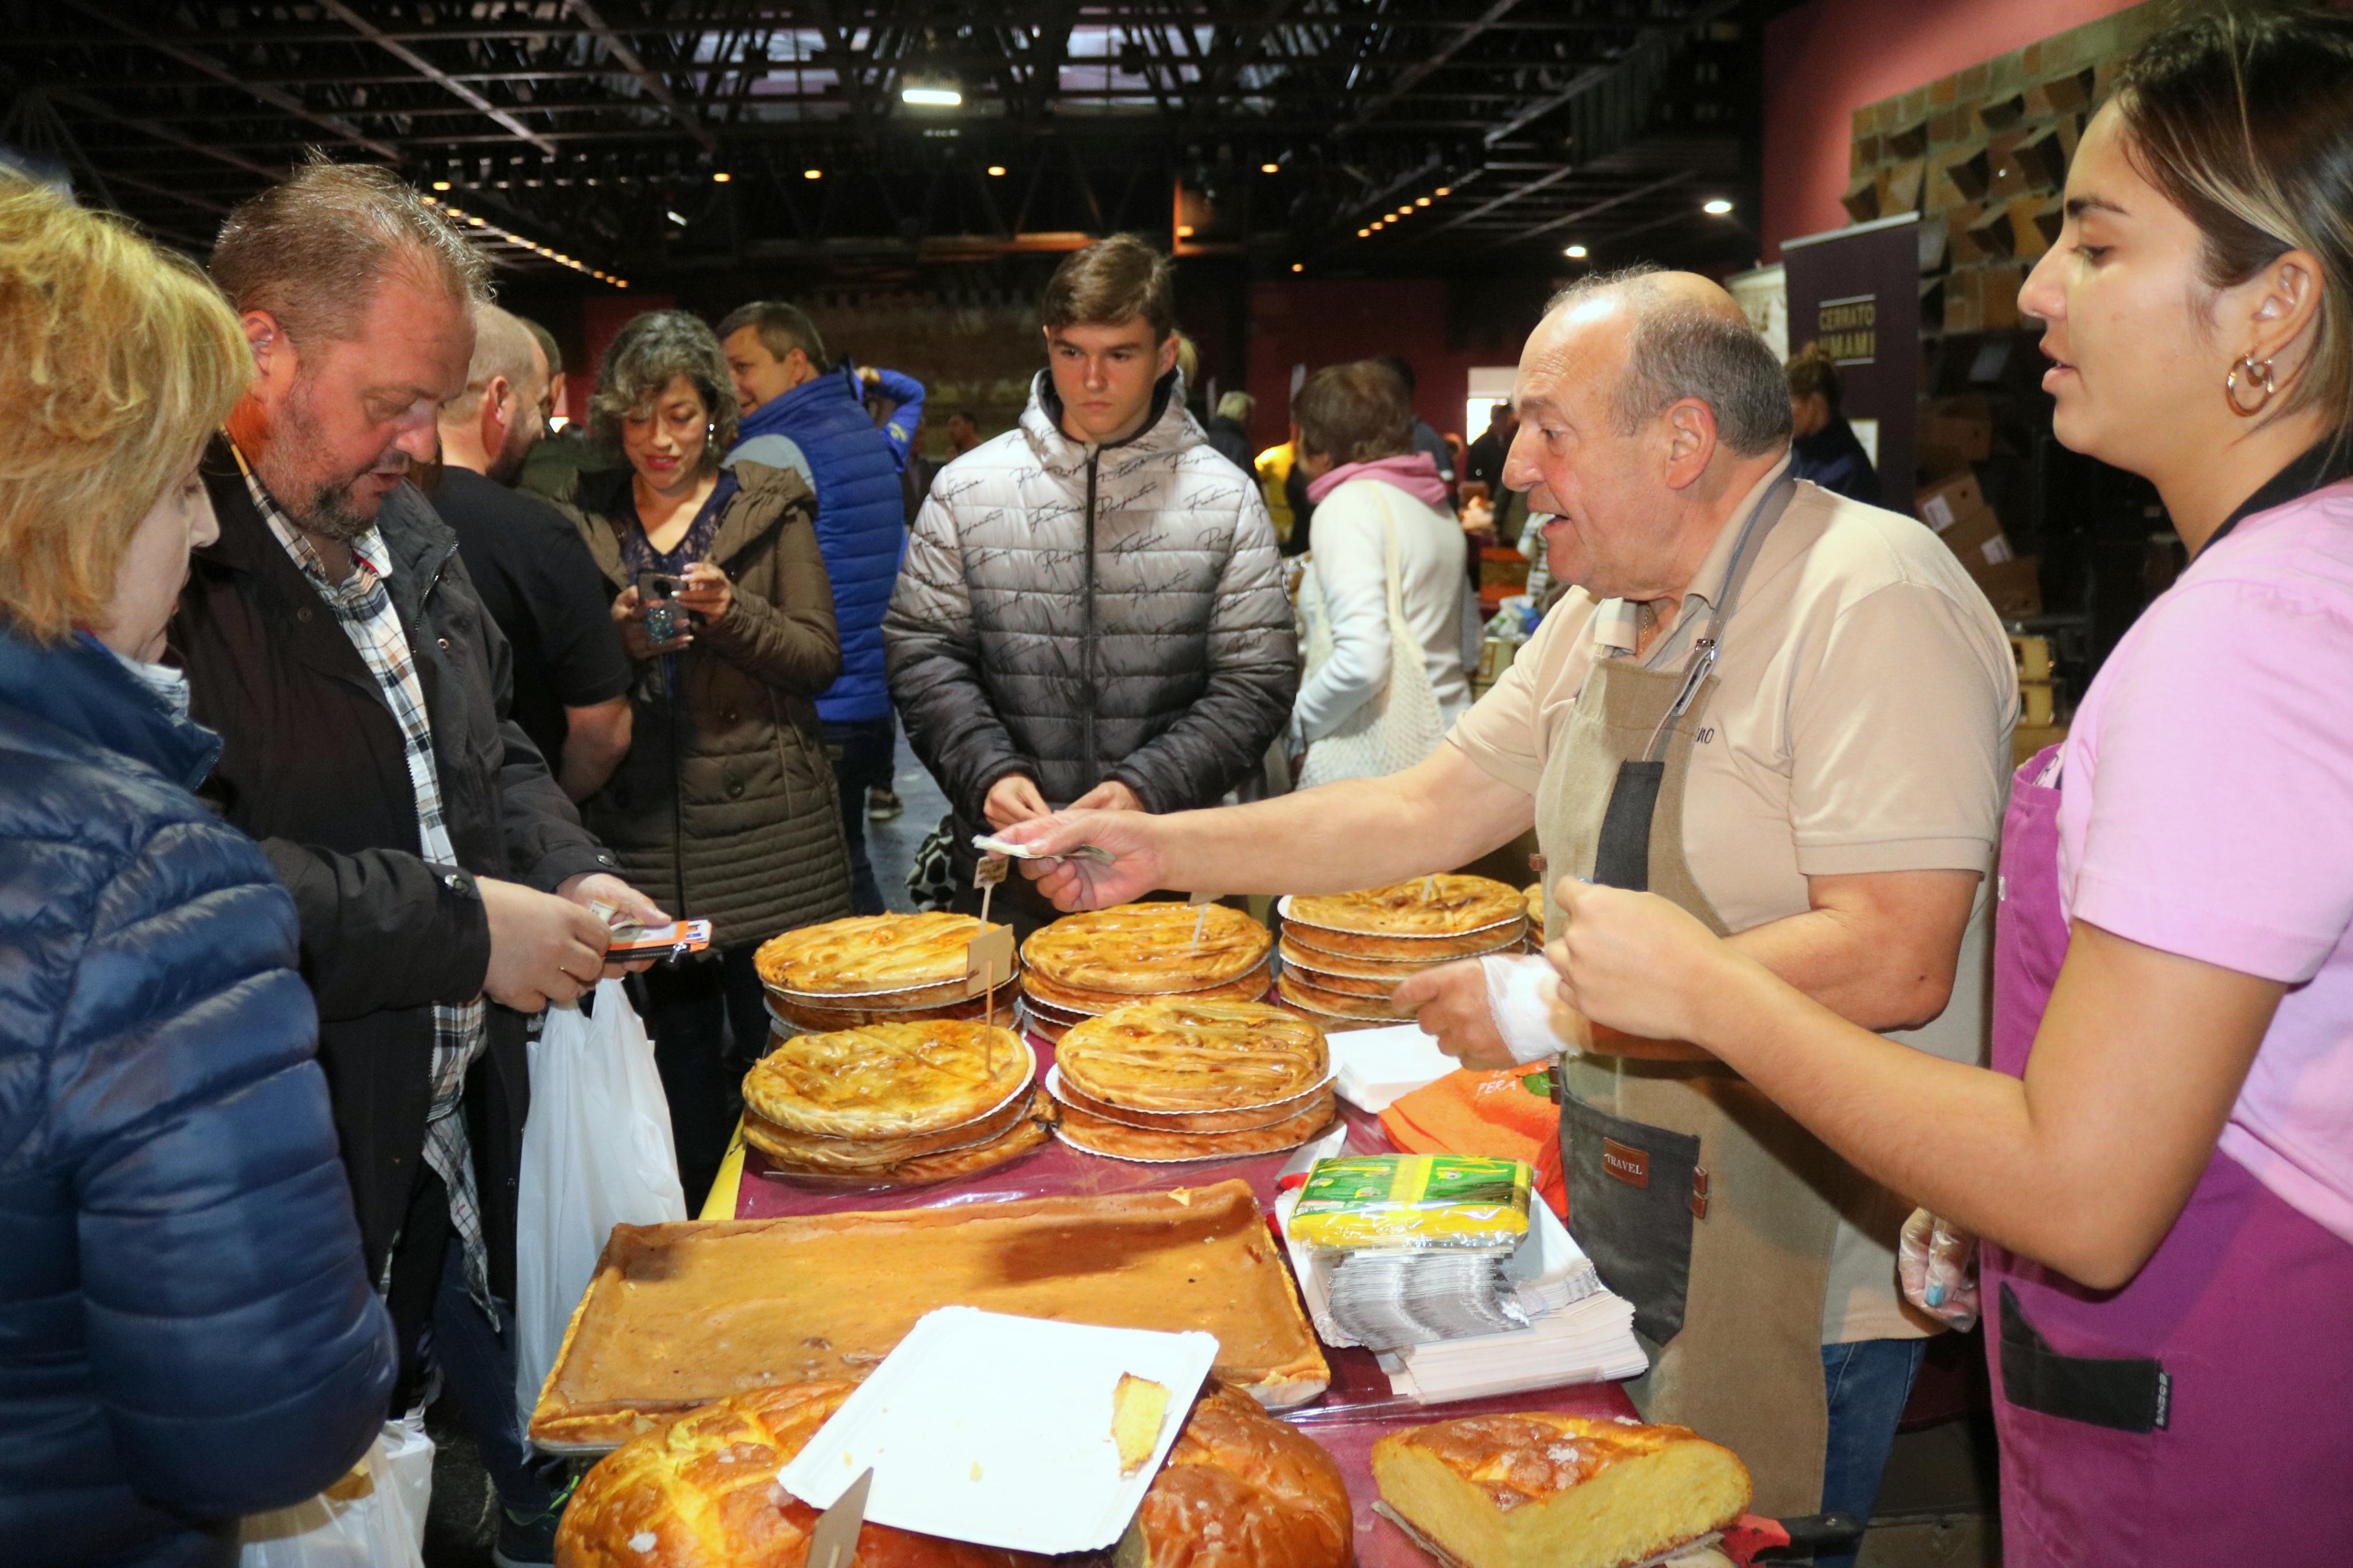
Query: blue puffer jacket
[186, 1330]
[861, 524]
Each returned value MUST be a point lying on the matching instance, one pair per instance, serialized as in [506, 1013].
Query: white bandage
[1520, 993]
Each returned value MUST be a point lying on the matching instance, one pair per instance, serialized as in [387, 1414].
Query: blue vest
[861, 525]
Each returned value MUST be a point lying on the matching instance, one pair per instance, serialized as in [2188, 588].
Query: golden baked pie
[678, 1315]
[1315, 999]
[1239, 1489]
[815, 1151]
[703, 1493]
[1534, 893]
[889, 1081]
[1086, 1003]
[805, 1018]
[1245, 1120]
[1038, 1113]
[1142, 950]
[869, 955]
[1099, 1136]
[1387, 970]
[1424, 950]
[1193, 1055]
[1548, 1491]
[1448, 904]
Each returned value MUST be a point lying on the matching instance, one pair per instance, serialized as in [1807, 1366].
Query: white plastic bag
[372, 1518]
[596, 1152]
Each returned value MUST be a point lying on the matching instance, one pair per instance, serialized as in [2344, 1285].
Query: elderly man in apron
[1786, 711]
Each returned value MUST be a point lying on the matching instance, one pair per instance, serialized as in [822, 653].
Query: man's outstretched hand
[1131, 836]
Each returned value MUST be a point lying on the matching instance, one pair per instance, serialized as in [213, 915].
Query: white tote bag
[1399, 724]
[372, 1518]
[596, 1152]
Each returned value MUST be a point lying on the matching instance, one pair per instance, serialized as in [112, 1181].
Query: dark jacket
[1229, 440]
[1833, 458]
[186, 1327]
[862, 521]
[726, 807]
[312, 765]
[1080, 613]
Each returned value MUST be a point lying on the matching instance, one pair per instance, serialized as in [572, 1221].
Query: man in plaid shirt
[333, 637]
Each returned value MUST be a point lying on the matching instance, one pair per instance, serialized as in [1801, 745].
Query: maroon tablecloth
[1348, 1419]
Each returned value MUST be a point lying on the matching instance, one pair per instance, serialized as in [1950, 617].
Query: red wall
[1319, 323]
[1827, 58]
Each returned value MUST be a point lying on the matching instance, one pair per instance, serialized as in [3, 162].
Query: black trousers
[709, 1018]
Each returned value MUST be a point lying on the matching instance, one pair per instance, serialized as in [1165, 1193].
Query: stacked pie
[895, 1102]
[1180, 1079]
[1085, 965]
[1344, 953]
[873, 969]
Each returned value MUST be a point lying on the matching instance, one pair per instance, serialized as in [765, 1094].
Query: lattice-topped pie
[919, 956]
[888, 1080]
[1147, 949]
[1194, 1056]
[1440, 906]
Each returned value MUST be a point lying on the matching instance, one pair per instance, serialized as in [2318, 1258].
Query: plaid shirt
[363, 609]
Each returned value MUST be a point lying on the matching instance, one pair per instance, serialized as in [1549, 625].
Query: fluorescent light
[931, 96]
[1575, 253]
[1715, 207]
[997, 170]
[675, 218]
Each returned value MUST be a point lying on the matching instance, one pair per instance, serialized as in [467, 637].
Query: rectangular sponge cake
[1545, 1490]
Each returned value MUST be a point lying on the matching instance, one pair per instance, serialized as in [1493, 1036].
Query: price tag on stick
[988, 957]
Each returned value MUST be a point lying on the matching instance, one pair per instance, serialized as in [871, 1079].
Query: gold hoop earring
[2259, 375]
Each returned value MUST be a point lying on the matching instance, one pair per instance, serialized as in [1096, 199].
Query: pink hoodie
[1415, 473]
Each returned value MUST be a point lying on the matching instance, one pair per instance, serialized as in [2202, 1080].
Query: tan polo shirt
[1861, 722]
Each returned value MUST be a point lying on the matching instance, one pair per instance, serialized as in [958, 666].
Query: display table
[1347, 1419]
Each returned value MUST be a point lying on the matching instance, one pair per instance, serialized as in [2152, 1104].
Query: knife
[834, 1543]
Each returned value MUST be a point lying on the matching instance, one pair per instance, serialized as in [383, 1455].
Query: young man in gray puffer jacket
[1091, 611]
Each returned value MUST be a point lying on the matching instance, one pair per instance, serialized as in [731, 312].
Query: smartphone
[663, 619]
[653, 585]
[680, 936]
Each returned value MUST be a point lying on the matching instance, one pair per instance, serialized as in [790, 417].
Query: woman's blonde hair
[118, 360]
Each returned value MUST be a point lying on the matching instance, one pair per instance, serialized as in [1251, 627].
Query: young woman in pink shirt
[2161, 1159]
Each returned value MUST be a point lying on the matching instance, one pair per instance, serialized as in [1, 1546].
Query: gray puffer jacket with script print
[1081, 613]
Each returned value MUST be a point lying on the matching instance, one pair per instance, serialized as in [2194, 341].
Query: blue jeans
[1867, 1383]
[863, 752]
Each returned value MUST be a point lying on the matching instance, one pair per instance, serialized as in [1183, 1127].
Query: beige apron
[1698, 1198]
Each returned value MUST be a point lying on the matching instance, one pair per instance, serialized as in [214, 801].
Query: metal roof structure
[625, 138]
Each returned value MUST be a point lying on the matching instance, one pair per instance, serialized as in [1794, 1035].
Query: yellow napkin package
[1393, 1201]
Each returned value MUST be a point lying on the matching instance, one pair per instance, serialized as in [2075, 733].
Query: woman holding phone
[2161, 1162]
[725, 802]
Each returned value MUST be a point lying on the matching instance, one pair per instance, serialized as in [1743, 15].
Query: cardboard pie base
[1242, 1119]
[816, 1152]
[1248, 987]
[1407, 948]
[1348, 984]
[794, 1017]
[1095, 1136]
[1027, 1132]
[1337, 1005]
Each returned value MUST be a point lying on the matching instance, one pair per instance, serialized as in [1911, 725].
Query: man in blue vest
[795, 414]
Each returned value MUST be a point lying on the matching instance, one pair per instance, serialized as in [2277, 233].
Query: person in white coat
[1368, 706]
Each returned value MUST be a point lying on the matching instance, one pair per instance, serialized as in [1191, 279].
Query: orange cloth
[1496, 1114]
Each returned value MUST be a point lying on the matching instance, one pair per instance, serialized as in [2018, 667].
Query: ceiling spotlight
[1421, 201]
[997, 170]
[1299, 266]
[928, 93]
[1443, 191]
[1363, 233]
[440, 184]
[812, 174]
[675, 218]
[1184, 231]
[720, 176]
[1270, 168]
[428, 201]
[1575, 253]
[1715, 207]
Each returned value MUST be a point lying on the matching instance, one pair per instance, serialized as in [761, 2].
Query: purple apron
[2204, 1412]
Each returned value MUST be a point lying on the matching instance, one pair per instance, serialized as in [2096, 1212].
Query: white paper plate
[1283, 907]
[995, 1429]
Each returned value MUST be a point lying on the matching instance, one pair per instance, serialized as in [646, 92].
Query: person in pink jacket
[2161, 1162]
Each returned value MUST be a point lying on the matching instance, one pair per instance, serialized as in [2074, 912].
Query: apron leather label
[1699, 1192]
[1628, 1164]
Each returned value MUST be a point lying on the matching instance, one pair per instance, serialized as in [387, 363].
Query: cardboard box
[1948, 498]
[1963, 425]
[1977, 538]
[2037, 703]
[2029, 739]
[2013, 585]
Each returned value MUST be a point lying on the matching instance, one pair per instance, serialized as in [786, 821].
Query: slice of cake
[1545, 1490]
[1138, 1405]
